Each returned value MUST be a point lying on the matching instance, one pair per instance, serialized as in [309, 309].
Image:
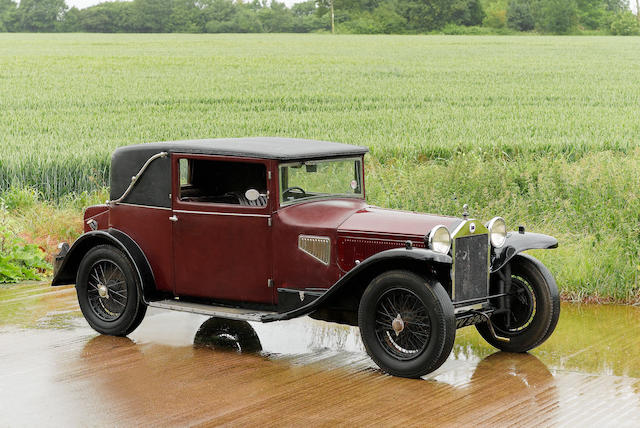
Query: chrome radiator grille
[470, 268]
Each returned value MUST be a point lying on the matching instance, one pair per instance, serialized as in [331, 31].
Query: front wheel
[108, 291]
[534, 308]
[407, 323]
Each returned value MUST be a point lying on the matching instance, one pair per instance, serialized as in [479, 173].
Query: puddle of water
[37, 305]
[174, 370]
[593, 339]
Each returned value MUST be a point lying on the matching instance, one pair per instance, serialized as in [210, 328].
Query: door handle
[173, 218]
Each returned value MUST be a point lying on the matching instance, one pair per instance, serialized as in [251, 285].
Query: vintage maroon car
[268, 229]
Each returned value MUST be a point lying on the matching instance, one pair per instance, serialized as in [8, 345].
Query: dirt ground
[172, 371]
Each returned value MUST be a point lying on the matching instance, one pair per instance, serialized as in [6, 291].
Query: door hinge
[269, 175]
[269, 222]
[270, 283]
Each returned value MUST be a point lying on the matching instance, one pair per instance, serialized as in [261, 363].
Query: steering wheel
[289, 189]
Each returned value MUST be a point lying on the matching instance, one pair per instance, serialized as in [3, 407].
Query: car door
[221, 239]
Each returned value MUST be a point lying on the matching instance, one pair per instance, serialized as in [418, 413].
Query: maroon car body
[199, 241]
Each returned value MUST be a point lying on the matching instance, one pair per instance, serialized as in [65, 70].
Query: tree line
[348, 16]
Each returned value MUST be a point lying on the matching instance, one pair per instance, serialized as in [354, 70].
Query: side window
[184, 173]
[223, 182]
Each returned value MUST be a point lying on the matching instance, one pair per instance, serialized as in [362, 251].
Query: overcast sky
[81, 4]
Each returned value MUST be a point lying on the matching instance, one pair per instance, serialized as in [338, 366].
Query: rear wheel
[407, 323]
[535, 308]
[108, 291]
[237, 335]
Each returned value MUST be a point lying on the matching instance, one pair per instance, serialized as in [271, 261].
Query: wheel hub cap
[103, 291]
[397, 325]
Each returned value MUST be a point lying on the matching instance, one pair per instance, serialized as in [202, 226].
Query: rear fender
[69, 267]
[353, 283]
[516, 243]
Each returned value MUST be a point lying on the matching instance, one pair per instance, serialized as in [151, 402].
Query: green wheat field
[541, 130]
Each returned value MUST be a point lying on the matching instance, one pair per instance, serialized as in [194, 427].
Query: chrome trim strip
[135, 178]
[469, 307]
[318, 247]
[399, 241]
[222, 213]
[393, 235]
[321, 197]
[144, 206]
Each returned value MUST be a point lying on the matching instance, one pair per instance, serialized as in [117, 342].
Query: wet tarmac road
[55, 371]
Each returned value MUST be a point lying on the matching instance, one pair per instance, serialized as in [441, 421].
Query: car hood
[379, 222]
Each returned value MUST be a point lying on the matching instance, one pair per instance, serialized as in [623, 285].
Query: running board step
[212, 311]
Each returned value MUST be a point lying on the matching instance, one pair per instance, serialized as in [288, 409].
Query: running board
[212, 311]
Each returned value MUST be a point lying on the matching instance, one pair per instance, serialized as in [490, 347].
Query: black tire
[120, 310]
[142, 311]
[535, 302]
[426, 320]
[236, 335]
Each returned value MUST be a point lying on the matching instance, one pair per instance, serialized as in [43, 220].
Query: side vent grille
[318, 247]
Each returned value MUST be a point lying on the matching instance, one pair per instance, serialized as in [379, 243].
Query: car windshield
[302, 181]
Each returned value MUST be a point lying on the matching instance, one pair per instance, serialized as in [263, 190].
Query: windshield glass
[320, 179]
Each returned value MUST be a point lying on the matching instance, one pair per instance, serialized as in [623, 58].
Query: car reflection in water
[230, 375]
[56, 371]
[223, 334]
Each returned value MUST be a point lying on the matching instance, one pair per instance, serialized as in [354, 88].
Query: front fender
[517, 242]
[396, 256]
[69, 266]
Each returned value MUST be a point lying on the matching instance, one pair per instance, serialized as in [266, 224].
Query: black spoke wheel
[402, 309]
[108, 291]
[534, 308]
[523, 304]
[223, 334]
[407, 323]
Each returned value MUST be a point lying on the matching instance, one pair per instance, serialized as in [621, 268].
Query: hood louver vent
[318, 247]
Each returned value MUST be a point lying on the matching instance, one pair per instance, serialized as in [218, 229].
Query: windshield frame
[360, 195]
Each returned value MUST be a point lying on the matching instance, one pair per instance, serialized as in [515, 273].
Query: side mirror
[252, 195]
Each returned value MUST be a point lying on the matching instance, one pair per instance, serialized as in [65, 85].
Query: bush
[382, 20]
[625, 24]
[495, 18]
[467, 12]
[18, 261]
[21, 262]
[558, 16]
[461, 30]
[519, 16]
[17, 199]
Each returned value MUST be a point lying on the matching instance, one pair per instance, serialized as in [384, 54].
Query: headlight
[440, 239]
[497, 231]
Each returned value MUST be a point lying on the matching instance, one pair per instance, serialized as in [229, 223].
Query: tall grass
[542, 130]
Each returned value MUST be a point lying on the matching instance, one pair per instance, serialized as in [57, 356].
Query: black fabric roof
[253, 147]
